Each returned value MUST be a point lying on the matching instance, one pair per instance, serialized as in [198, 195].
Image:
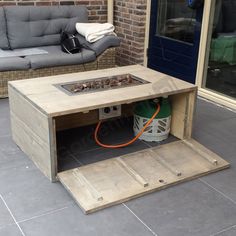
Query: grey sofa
[38, 29]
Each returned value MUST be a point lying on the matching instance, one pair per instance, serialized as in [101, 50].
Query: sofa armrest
[101, 45]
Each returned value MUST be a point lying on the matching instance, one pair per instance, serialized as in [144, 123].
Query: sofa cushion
[3, 31]
[14, 63]
[56, 57]
[101, 45]
[31, 26]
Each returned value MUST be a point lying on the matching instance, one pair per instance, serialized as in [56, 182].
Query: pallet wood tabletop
[52, 101]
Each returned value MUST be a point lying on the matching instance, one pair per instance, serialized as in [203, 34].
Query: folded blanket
[94, 31]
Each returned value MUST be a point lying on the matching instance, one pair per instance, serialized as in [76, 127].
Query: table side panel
[27, 113]
[183, 107]
[30, 131]
[190, 114]
[53, 148]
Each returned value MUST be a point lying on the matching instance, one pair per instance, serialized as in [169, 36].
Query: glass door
[174, 38]
[221, 69]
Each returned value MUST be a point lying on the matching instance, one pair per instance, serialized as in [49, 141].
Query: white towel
[94, 31]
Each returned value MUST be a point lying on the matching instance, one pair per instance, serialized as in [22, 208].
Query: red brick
[25, 3]
[43, 3]
[7, 4]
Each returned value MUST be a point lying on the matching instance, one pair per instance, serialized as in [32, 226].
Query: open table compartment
[39, 109]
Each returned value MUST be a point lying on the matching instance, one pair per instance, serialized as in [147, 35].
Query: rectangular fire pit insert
[101, 84]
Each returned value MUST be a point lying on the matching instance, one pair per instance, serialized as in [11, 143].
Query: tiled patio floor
[30, 205]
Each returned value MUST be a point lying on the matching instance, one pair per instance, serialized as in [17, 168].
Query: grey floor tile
[213, 120]
[224, 130]
[82, 139]
[106, 153]
[4, 108]
[211, 112]
[11, 230]
[8, 146]
[190, 209]
[5, 217]
[3, 158]
[229, 232]
[29, 193]
[76, 140]
[226, 150]
[4, 102]
[9, 167]
[224, 182]
[4, 118]
[8, 161]
[67, 163]
[89, 152]
[5, 127]
[115, 221]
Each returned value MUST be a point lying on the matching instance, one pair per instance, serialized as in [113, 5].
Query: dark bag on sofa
[69, 43]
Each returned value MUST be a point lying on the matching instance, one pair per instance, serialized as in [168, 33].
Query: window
[176, 20]
[221, 73]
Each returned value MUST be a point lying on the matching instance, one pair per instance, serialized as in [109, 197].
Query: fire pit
[101, 84]
[39, 112]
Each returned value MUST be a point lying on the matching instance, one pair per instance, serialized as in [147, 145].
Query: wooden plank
[82, 179]
[190, 112]
[30, 131]
[89, 118]
[27, 113]
[202, 151]
[53, 148]
[165, 164]
[54, 102]
[183, 107]
[32, 145]
[117, 185]
[76, 120]
[132, 172]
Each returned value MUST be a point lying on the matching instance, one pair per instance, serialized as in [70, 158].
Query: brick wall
[129, 19]
[97, 8]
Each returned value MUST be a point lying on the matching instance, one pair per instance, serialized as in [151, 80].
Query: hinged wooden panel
[116, 180]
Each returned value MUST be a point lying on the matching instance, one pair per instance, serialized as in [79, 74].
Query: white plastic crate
[157, 131]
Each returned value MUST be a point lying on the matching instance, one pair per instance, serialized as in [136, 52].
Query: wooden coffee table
[39, 109]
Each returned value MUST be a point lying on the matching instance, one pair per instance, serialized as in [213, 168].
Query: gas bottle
[159, 129]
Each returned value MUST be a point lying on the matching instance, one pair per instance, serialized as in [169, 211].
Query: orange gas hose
[129, 142]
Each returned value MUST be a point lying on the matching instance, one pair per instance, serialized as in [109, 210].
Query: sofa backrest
[3, 31]
[29, 26]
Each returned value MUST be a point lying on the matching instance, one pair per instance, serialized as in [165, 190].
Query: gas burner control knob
[107, 110]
